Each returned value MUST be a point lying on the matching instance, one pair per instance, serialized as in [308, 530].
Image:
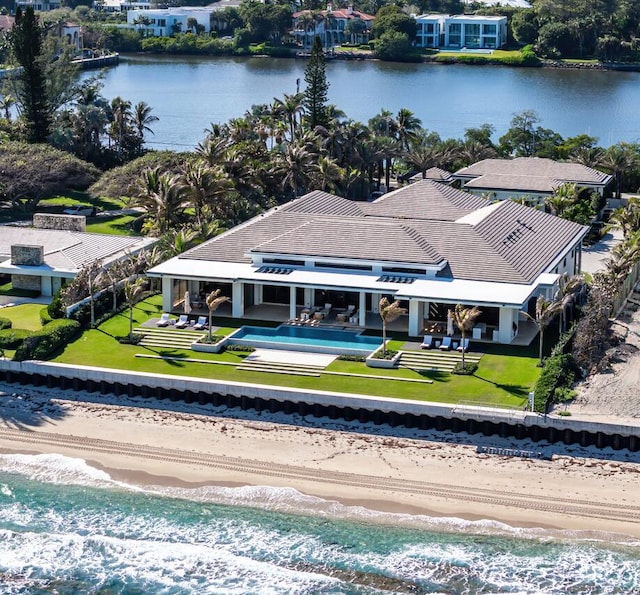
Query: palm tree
[132, 292]
[291, 106]
[406, 126]
[618, 159]
[546, 311]
[464, 319]
[214, 301]
[142, 118]
[627, 218]
[388, 313]
[328, 174]
[163, 196]
[296, 169]
[569, 286]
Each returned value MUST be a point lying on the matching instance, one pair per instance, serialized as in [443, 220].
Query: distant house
[461, 31]
[164, 22]
[331, 27]
[428, 245]
[531, 177]
[38, 5]
[120, 5]
[44, 257]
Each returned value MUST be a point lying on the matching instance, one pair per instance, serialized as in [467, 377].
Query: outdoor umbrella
[449, 324]
[187, 303]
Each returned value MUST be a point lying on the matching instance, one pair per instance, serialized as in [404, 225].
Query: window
[455, 34]
[489, 29]
[335, 265]
[472, 35]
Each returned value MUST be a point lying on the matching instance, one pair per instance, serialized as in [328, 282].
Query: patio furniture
[183, 321]
[164, 320]
[327, 309]
[201, 324]
[350, 311]
[426, 342]
[446, 344]
[477, 332]
[464, 345]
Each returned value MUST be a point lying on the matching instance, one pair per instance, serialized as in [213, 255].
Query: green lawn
[118, 225]
[24, 316]
[500, 379]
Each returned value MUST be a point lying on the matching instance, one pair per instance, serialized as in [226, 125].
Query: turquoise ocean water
[68, 528]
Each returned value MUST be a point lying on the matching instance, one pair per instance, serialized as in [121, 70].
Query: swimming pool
[300, 338]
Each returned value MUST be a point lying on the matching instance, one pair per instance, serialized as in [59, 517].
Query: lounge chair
[446, 344]
[327, 309]
[201, 324]
[426, 342]
[183, 322]
[164, 320]
[350, 311]
[464, 345]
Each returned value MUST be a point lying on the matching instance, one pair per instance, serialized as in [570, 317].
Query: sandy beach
[150, 442]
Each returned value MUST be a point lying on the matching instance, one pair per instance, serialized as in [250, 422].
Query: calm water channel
[190, 93]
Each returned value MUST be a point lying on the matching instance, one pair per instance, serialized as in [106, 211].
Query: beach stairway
[249, 365]
[435, 360]
[167, 338]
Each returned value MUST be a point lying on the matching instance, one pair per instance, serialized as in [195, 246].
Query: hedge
[5, 323]
[12, 338]
[558, 374]
[47, 340]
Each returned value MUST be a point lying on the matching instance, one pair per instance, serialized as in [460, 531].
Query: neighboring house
[72, 33]
[331, 26]
[164, 22]
[39, 5]
[530, 177]
[510, 3]
[436, 174]
[461, 31]
[428, 245]
[120, 5]
[44, 257]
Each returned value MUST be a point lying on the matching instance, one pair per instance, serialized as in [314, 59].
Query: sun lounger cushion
[164, 320]
[446, 344]
[427, 341]
[183, 322]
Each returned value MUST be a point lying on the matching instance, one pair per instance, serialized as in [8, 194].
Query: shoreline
[408, 472]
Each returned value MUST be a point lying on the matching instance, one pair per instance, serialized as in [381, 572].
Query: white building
[164, 22]
[461, 31]
[428, 245]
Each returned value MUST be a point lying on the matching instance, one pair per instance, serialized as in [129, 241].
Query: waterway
[188, 94]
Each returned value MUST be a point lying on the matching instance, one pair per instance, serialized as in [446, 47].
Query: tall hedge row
[42, 343]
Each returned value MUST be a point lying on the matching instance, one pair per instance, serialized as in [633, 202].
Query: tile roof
[529, 173]
[68, 250]
[422, 223]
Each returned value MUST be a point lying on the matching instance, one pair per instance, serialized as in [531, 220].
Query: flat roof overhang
[514, 295]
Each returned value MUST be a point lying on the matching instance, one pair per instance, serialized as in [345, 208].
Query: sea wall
[365, 408]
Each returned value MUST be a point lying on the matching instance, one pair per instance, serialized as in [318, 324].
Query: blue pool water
[301, 338]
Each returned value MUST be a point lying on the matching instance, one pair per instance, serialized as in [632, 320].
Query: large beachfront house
[531, 177]
[164, 22]
[428, 245]
[475, 32]
[44, 257]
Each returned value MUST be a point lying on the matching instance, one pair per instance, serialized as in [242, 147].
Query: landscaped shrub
[380, 354]
[55, 308]
[468, 369]
[346, 357]
[40, 344]
[559, 372]
[45, 317]
[245, 348]
[5, 323]
[12, 338]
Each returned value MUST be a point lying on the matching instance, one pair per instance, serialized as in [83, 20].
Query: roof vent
[396, 279]
[275, 270]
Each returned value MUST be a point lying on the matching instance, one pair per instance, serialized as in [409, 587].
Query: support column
[508, 317]
[292, 302]
[362, 309]
[45, 285]
[237, 299]
[167, 294]
[308, 297]
[416, 316]
[257, 294]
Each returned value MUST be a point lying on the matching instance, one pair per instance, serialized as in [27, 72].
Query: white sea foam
[60, 469]
[55, 468]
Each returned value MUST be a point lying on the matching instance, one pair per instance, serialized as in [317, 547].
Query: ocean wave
[61, 469]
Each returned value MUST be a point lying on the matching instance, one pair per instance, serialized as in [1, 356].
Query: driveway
[593, 257]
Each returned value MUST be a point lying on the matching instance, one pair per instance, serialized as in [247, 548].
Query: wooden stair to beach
[435, 359]
[169, 338]
[280, 368]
